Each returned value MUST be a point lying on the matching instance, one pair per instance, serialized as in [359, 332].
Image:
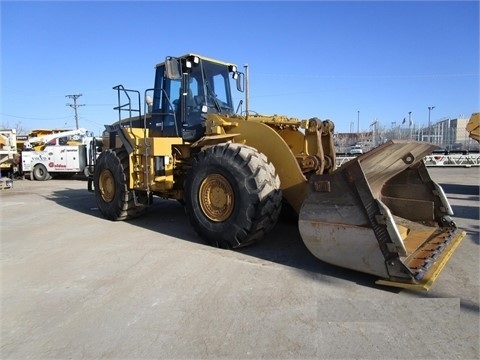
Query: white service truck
[51, 155]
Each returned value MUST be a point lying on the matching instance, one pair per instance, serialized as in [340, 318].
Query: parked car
[355, 150]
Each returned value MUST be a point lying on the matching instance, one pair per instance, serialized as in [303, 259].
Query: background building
[448, 134]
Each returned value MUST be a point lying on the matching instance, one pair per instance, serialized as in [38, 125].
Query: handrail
[127, 106]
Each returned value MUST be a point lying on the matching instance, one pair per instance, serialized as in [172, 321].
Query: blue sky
[351, 62]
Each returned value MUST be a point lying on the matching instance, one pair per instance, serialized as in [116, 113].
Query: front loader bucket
[382, 214]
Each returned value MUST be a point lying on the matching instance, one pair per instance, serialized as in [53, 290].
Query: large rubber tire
[232, 195]
[111, 176]
[40, 173]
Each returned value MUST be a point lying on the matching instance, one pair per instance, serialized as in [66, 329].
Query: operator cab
[186, 90]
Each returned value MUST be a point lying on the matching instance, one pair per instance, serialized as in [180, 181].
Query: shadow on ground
[283, 245]
[461, 189]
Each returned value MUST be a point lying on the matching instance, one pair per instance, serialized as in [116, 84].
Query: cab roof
[203, 58]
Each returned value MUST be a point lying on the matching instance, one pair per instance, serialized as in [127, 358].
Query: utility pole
[75, 105]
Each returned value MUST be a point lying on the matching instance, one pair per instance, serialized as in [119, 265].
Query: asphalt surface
[74, 285]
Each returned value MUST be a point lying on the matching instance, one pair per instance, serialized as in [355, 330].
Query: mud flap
[382, 214]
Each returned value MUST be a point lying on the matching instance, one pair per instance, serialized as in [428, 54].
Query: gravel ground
[74, 285]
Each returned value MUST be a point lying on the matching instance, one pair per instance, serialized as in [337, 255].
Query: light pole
[410, 123]
[430, 108]
[358, 122]
[448, 135]
[374, 135]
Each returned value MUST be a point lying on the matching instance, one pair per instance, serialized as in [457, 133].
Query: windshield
[214, 91]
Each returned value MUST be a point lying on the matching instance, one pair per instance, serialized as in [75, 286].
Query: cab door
[166, 109]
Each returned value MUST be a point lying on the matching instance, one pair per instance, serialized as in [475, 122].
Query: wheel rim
[106, 184]
[216, 198]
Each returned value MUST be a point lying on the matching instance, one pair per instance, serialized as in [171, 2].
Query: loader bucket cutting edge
[382, 214]
[428, 279]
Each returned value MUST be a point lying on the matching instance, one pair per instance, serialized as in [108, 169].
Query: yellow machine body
[473, 126]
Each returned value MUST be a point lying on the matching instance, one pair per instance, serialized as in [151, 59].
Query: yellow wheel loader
[473, 127]
[381, 213]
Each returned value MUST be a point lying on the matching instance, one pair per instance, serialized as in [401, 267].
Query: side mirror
[239, 77]
[149, 102]
[173, 68]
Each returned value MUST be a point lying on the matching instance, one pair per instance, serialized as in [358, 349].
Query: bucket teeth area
[428, 253]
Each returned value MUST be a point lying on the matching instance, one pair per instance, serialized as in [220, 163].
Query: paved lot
[74, 285]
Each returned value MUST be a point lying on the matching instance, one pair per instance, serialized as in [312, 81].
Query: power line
[34, 118]
[75, 105]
